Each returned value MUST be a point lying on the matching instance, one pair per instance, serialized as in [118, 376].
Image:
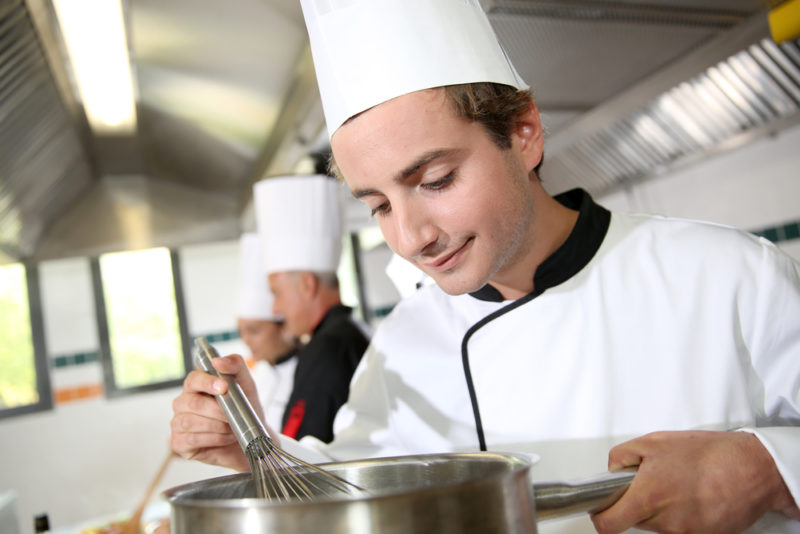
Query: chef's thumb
[623, 456]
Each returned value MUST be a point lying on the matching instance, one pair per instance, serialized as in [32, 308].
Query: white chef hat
[299, 221]
[255, 298]
[369, 51]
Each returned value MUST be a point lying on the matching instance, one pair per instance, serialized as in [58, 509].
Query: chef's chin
[453, 284]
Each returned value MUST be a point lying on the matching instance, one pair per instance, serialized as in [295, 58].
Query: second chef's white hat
[299, 221]
[369, 51]
[255, 298]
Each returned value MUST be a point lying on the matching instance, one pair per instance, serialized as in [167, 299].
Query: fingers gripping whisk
[277, 475]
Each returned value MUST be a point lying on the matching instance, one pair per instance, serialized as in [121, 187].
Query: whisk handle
[243, 419]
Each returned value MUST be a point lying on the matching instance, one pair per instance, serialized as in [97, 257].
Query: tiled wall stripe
[222, 336]
[67, 360]
[783, 232]
[83, 392]
[382, 312]
[75, 359]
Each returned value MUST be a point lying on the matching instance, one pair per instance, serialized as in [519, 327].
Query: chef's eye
[441, 183]
[380, 210]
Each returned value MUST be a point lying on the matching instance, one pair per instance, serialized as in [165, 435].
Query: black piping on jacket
[573, 255]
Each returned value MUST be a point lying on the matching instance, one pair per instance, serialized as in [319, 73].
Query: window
[140, 313]
[24, 380]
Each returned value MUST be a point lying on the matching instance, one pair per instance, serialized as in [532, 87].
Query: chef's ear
[528, 132]
[308, 284]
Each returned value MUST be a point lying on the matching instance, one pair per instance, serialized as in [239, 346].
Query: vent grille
[43, 165]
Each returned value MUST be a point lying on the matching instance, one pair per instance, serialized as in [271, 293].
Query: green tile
[221, 336]
[770, 233]
[791, 231]
[79, 358]
[382, 312]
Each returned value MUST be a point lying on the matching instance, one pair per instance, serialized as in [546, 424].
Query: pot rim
[519, 463]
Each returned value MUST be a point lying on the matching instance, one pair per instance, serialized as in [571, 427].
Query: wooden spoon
[133, 524]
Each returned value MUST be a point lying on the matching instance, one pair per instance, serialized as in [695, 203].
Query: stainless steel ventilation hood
[680, 115]
[226, 95]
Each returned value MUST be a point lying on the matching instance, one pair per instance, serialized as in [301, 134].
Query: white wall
[90, 459]
[210, 276]
[755, 187]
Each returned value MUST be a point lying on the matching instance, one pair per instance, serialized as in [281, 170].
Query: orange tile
[86, 391]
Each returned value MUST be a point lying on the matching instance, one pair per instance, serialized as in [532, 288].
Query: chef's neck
[550, 226]
[325, 298]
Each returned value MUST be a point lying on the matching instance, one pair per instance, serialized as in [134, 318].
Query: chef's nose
[414, 229]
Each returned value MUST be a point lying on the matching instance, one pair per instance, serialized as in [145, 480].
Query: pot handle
[560, 499]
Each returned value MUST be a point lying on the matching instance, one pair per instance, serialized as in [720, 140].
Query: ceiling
[226, 95]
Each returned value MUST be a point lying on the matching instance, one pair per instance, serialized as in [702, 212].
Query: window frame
[40, 358]
[367, 314]
[112, 391]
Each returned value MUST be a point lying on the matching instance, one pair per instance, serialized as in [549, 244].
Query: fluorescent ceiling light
[94, 32]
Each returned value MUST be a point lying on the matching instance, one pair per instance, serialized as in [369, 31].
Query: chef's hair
[496, 107]
[326, 279]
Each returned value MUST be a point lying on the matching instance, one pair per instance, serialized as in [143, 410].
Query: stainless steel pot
[442, 494]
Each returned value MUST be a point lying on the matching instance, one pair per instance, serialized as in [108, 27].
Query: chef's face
[290, 302]
[446, 197]
[267, 340]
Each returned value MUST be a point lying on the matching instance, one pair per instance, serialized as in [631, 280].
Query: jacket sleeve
[775, 352]
[362, 426]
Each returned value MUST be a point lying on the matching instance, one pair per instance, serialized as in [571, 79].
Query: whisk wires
[280, 475]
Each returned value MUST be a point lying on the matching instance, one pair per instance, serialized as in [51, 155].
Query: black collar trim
[339, 310]
[286, 357]
[580, 247]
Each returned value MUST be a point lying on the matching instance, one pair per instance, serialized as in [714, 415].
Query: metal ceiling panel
[577, 54]
[222, 67]
[734, 7]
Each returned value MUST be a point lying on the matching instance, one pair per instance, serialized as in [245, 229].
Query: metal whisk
[277, 475]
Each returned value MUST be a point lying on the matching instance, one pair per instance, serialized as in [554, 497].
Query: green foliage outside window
[142, 317]
[17, 365]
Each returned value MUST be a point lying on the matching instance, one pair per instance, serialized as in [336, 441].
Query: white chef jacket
[274, 386]
[653, 324]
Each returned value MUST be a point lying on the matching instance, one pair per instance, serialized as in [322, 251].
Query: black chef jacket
[322, 378]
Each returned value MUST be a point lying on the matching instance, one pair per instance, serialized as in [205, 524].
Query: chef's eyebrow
[410, 170]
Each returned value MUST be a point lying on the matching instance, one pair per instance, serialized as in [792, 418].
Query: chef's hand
[200, 429]
[695, 481]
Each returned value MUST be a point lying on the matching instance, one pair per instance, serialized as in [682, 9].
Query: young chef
[554, 325]
[299, 222]
[273, 351]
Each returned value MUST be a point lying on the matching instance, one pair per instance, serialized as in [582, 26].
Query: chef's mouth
[449, 260]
